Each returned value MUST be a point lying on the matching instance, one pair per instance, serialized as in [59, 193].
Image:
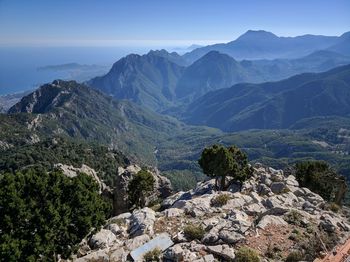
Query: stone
[142, 222]
[115, 229]
[173, 212]
[230, 237]
[234, 187]
[119, 255]
[277, 187]
[103, 239]
[255, 197]
[98, 256]
[136, 242]
[175, 253]
[291, 181]
[162, 188]
[308, 207]
[223, 251]
[161, 242]
[197, 207]
[254, 209]
[263, 190]
[84, 248]
[208, 258]
[271, 220]
[207, 187]
[239, 221]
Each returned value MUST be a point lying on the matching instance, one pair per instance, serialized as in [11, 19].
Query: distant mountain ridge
[148, 80]
[261, 44]
[274, 105]
[159, 81]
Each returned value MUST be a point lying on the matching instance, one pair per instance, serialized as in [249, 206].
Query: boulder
[230, 237]
[103, 239]
[223, 251]
[162, 188]
[171, 200]
[115, 229]
[98, 256]
[175, 253]
[173, 212]
[203, 188]
[197, 207]
[271, 220]
[142, 221]
[119, 255]
[254, 209]
[263, 190]
[277, 187]
[291, 181]
[136, 242]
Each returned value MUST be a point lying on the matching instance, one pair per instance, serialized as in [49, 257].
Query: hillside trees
[46, 214]
[140, 187]
[321, 179]
[220, 162]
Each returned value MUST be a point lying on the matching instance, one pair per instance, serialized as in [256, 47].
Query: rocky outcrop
[71, 171]
[283, 214]
[162, 188]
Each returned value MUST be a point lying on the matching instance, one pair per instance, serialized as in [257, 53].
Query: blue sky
[164, 22]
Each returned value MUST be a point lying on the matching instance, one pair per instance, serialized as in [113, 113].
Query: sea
[19, 65]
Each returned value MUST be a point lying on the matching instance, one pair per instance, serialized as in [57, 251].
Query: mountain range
[261, 44]
[256, 110]
[274, 105]
[163, 81]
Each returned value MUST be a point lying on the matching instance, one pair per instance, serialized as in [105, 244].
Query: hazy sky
[164, 22]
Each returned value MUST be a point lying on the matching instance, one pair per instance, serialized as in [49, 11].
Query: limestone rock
[277, 187]
[162, 188]
[271, 220]
[224, 251]
[98, 256]
[103, 239]
[136, 242]
[230, 237]
[142, 221]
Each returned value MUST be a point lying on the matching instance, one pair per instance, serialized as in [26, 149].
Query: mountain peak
[257, 34]
[215, 54]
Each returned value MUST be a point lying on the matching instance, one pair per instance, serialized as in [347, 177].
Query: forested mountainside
[159, 81]
[74, 111]
[274, 105]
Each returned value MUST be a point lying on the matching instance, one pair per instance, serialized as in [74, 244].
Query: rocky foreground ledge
[270, 213]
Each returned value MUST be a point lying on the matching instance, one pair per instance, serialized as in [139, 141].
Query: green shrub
[219, 161]
[246, 254]
[320, 178]
[153, 255]
[220, 200]
[46, 214]
[193, 232]
[294, 256]
[293, 217]
[333, 207]
[273, 252]
[140, 186]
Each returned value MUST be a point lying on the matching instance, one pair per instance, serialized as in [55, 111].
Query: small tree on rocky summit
[140, 187]
[219, 162]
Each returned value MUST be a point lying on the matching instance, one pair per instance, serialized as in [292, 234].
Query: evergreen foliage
[46, 214]
[140, 187]
[321, 179]
[219, 162]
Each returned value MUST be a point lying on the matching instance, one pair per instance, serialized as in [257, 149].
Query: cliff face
[270, 213]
